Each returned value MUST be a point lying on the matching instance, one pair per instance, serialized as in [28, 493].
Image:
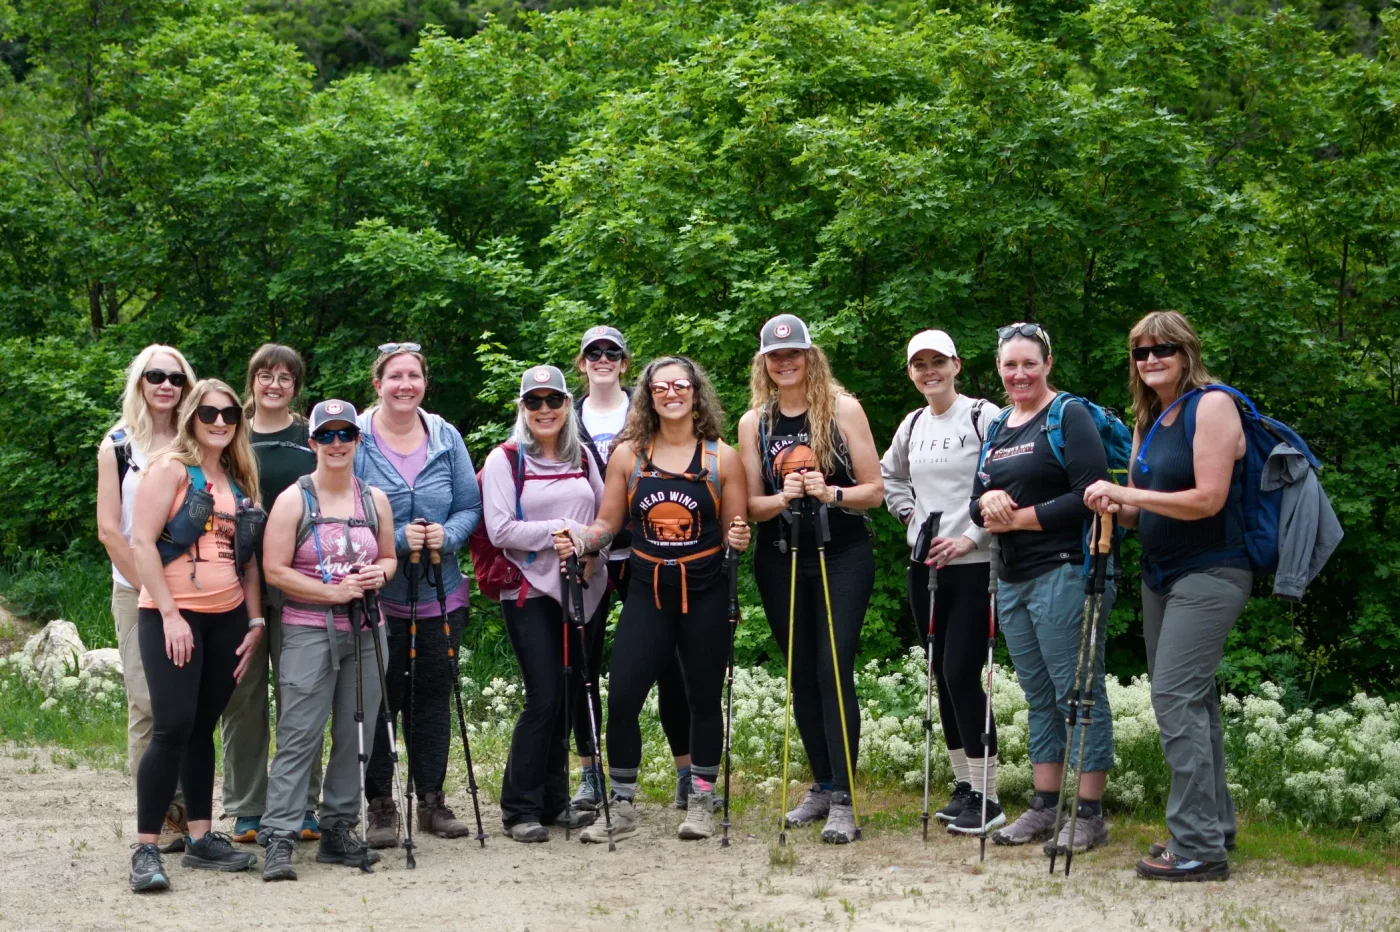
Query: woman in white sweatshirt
[929, 468]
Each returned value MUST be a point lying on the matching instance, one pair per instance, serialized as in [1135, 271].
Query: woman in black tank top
[685, 492]
[810, 457]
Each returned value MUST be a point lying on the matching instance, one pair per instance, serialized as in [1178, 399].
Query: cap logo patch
[334, 407]
[599, 331]
[782, 331]
[541, 375]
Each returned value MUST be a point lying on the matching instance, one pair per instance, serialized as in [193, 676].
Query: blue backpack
[1261, 508]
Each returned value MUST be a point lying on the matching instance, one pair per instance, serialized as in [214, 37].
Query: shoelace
[219, 841]
[279, 843]
[147, 856]
[347, 837]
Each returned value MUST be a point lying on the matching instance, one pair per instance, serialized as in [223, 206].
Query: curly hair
[642, 420]
[822, 391]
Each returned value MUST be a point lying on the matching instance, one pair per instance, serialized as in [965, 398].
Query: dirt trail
[68, 828]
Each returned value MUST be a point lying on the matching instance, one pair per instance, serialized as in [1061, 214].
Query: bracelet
[259, 622]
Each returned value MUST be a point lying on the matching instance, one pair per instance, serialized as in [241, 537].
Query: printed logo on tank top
[670, 518]
[222, 526]
[344, 555]
[790, 453]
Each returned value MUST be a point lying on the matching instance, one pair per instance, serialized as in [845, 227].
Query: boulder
[54, 653]
[102, 663]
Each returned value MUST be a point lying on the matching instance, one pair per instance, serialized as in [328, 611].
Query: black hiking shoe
[340, 845]
[969, 821]
[1175, 869]
[215, 852]
[277, 862]
[961, 793]
[147, 869]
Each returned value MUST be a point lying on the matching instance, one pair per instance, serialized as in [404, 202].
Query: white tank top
[129, 485]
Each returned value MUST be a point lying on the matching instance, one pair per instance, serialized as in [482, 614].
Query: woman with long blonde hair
[812, 464]
[199, 589]
[157, 380]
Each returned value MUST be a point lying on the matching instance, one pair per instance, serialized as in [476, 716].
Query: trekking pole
[386, 718]
[987, 714]
[927, 531]
[823, 536]
[731, 562]
[435, 560]
[1103, 543]
[414, 564]
[795, 517]
[356, 614]
[568, 686]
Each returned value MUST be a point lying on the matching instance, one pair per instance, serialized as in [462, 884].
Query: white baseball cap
[786, 331]
[935, 340]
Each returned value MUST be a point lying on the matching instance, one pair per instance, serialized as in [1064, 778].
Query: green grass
[74, 587]
[97, 736]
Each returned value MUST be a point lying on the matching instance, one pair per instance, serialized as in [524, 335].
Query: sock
[1049, 798]
[826, 787]
[624, 783]
[959, 758]
[699, 784]
[1091, 808]
[627, 791]
[990, 790]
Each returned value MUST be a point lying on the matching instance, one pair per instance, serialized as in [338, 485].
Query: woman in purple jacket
[562, 489]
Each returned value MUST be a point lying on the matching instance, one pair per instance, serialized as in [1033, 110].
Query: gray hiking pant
[1185, 628]
[245, 730]
[314, 687]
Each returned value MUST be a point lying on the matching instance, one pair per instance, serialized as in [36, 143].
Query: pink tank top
[342, 548]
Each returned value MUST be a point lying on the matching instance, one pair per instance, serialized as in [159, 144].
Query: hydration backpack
[196, 516]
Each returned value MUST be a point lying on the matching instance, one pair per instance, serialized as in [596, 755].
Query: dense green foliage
[176, 170]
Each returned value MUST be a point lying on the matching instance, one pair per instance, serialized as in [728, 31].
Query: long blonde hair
[237, 458]
[822, 392]
[136, 417]
[1166, 327]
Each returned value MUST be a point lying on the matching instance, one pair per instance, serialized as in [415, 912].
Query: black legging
[648, 641]
[851, 577]
[535, 787]
[959, 648]
[186, 703]
[427, 727]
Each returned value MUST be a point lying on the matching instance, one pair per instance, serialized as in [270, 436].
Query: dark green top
[283, 457]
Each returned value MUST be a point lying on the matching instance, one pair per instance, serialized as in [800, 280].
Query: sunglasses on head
[328, 435]
[555, 400]
[1159, 350]
[595, 353]
[208, 414]
[681, 386]
[1030, 331]
[156, 377]
[399, 347]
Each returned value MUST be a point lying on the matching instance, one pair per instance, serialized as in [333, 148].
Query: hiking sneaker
[590, 790]
[624, 822]
[1159, 848]
[528, 832]
[215, 852]
[1176, 869]
[174, 830]
[435, 817]
[816, 805]
[840, 827]
[245, 829]
[147, 869]
[699, 818]
[571, 818]
[340, 845]
[1035, 823]
[969, 821]
[1090, 831]
[310, 827]
[277, 862]
[383, 830]
[957, 804]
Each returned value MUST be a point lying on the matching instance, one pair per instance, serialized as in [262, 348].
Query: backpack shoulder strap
[764, 459]
[710, 460]
[634, 477]
[367, 504]
[1054, 423]
[992, 430]
[121, 449]
[310, 510]
[196, 476]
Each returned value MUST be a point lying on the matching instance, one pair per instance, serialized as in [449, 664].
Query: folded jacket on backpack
[1308, 529]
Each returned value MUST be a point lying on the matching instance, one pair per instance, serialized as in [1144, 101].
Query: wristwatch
[838, 497]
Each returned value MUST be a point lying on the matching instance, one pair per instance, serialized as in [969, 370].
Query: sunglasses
[681, 386]
[399, 347]
[1031, 331]
[156, 377]
[328, 435]
[555, 400]
[595, 353]
[231, 415]
[1160, 351]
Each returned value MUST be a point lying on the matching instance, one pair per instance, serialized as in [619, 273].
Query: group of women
[640, 488]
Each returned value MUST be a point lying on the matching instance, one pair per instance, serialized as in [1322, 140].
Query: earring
[695, 415]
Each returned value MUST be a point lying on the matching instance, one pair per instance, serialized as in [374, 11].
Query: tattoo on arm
[595, 540]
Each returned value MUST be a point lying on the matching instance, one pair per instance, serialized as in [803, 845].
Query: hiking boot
[957, 804]
[969, 821]
[277, 862]
[215, 852]
[590, 790]
[383, 831]
[699, 818]
[813, 807]
[435, 817]
[310, 827]
[1159, 848]
[683, 788]
[340, 845]
[172, 833]
[624, 822]
[528, 832]
[1035, 823]
[1089, 832]
[573, 819]
[245, 829]
[1176, 869]
[147, 869]
[840, 827]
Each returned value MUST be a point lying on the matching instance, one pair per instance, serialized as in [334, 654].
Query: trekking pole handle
[1104, 542]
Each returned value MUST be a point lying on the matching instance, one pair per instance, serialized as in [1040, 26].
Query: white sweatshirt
[930, 466]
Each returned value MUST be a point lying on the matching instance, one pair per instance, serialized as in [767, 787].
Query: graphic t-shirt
[603, 426]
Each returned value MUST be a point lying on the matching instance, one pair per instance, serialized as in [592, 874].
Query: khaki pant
[138, 695]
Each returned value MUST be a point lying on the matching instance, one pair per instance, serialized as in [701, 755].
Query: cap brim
[332, 421]
[774, 347]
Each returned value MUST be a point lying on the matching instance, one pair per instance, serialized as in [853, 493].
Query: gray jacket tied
[1308, 529]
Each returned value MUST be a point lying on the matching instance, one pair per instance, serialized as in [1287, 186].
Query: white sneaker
[623, 818]
[699, 818]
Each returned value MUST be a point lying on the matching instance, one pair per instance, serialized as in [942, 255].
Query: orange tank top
[205, 578]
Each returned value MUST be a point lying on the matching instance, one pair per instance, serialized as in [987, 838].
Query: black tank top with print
[676, 535]
[786, 448]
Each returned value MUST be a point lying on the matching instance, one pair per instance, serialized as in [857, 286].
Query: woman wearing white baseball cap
[928, 469]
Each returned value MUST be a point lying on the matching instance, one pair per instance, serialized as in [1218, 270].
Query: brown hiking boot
[435, 817]
[173, 832]
[383, 831]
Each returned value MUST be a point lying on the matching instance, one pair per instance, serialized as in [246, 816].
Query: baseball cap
[594, 334]
[786, 331]
[331, 411]
[935, 340]
[537, 377]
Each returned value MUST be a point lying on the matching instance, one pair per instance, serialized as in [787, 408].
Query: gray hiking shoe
[813, 807]
[147, 869]
[699, 818]
[624, 823]
[528, 832]
[1035, 823]
[277, 864]
[1090, 831]
[572, 818]
[590, 790]
[840, 828]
